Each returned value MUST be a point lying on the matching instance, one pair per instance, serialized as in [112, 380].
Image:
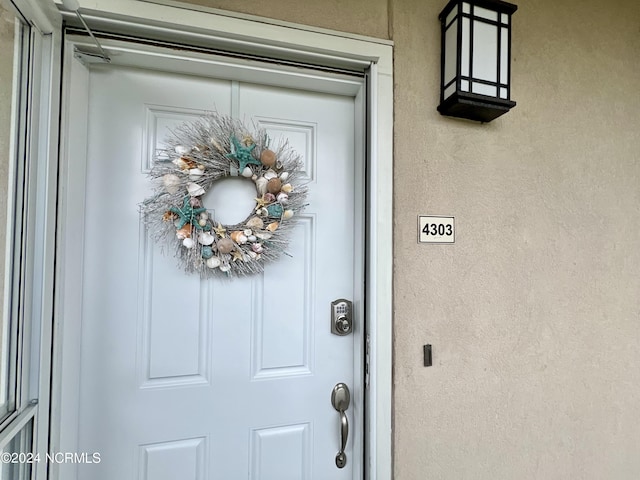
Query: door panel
[194, 379]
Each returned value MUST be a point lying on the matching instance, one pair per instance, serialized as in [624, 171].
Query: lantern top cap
[495, 5]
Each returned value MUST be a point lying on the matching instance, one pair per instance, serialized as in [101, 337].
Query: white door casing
[290, 41]
[190, 378]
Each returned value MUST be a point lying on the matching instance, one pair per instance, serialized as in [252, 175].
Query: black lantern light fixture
[476, 59]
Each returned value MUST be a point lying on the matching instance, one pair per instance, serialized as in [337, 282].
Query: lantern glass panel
[484, 13]
[503, 93]
[485, 52]
[504, 56]
[452, 14]
[483, 89]
[450, 54]
[449, 90]
[464, 85]
[466, 8]
[464, 47]
[505, 18]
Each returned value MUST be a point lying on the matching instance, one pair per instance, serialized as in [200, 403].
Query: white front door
[181, 378]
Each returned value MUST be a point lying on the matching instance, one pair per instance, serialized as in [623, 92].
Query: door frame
[33, 285]
[292, 44]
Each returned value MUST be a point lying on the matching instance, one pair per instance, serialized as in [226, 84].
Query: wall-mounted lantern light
[476, 59]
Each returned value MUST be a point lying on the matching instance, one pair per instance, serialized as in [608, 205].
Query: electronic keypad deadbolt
[341, 317]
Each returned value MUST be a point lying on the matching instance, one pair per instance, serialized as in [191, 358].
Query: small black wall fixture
[476, 59]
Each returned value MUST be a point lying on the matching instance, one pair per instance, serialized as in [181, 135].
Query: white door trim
[36, 283]
[317, 48]
[73, 170]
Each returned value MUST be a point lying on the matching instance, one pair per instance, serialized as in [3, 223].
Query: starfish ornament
[188, 214]
[260, 202]
[237, 255]
[242, 154]
[220, 230]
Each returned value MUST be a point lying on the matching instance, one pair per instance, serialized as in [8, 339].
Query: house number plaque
[436, 229]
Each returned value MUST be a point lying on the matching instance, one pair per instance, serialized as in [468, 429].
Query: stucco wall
[363, 17]
[534, 313]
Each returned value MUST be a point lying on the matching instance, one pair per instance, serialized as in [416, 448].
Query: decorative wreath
[197, 154]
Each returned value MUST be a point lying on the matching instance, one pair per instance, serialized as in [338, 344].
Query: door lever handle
[340, 399]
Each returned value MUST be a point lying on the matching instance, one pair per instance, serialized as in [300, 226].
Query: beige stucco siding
[363, 17]
[534, 313]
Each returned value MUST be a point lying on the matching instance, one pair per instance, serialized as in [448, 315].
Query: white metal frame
[296, 43]
[39, 242]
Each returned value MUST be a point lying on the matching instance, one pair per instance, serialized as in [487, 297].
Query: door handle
[340, 399]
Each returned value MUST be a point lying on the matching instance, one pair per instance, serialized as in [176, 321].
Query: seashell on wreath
[194, 157]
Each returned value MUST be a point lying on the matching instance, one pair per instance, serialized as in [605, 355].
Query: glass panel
[464, 85]
[452, 13]
[18, 456]
[503, 93]
[485, 51]
[450, 54]
[504, 18]
[504, 56]
[466, 8]
[484, 13]
[484, 89]
[14, 38]
[464, 67]
[449, 91]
